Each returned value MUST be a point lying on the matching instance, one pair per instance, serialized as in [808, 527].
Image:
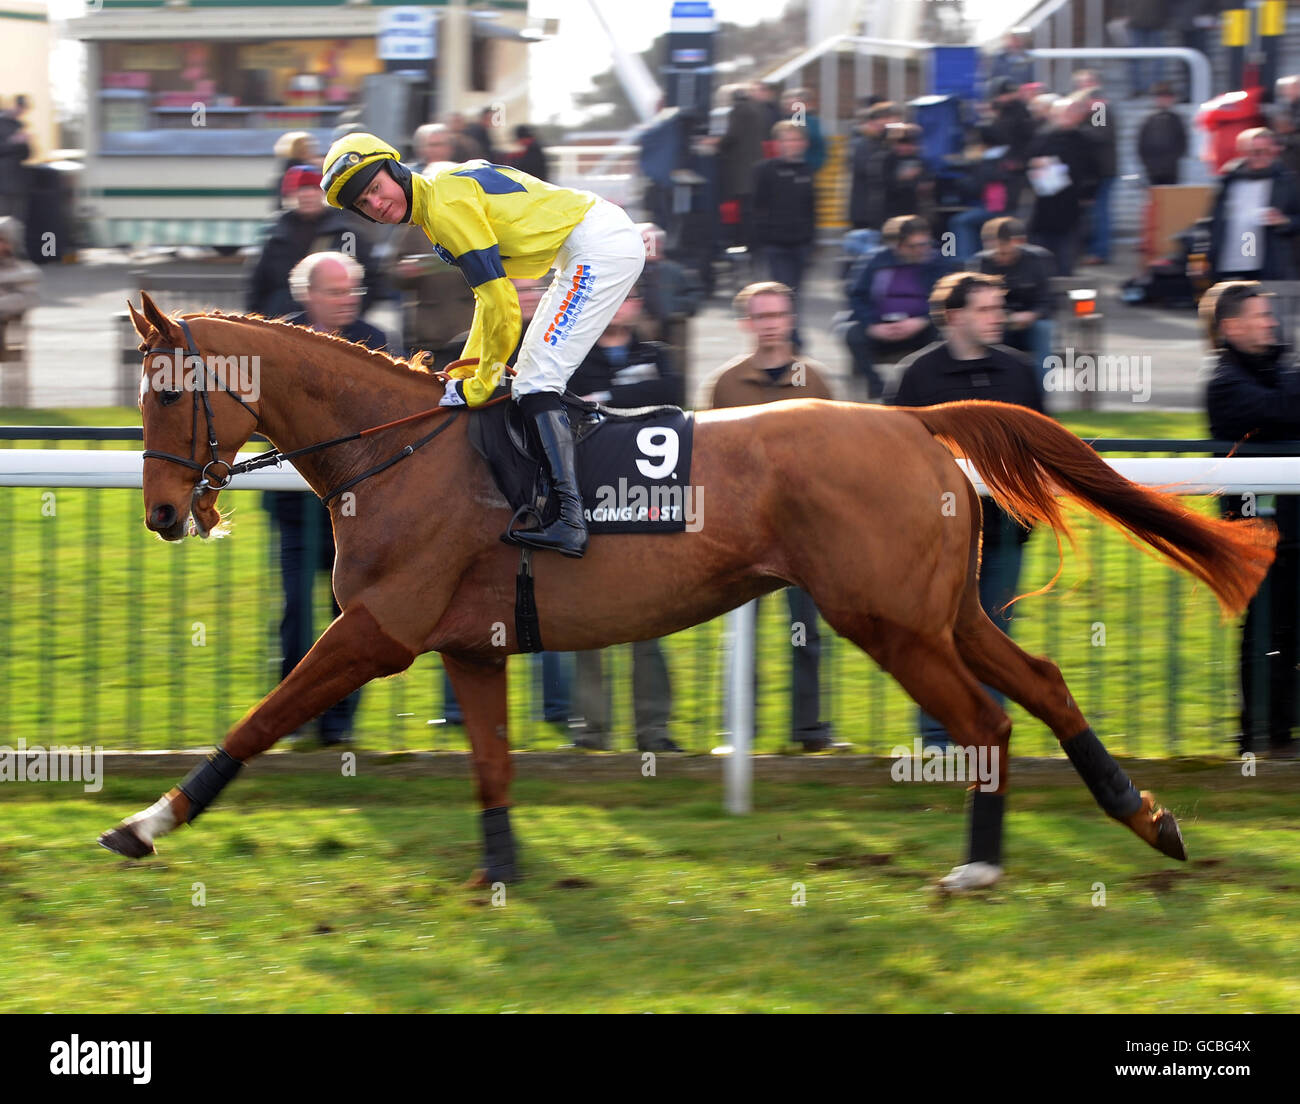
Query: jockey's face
[383, 200]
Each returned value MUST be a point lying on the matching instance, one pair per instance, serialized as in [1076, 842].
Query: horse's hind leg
[933, 672]
[1037, 684]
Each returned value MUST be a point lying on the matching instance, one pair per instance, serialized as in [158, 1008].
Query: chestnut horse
[862, 506]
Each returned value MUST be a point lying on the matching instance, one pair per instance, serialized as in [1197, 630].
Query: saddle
[633, 466]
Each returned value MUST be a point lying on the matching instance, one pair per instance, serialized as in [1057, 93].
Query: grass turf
[325, 893]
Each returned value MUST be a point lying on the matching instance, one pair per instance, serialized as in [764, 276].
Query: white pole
[739, 768]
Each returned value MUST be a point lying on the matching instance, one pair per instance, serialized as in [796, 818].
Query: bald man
[328, 286]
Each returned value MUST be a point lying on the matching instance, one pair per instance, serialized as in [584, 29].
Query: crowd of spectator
[1035, 176]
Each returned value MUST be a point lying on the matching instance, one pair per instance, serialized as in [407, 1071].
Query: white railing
[1184, 475]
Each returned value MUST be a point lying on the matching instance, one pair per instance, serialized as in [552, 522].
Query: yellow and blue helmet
[351, 165]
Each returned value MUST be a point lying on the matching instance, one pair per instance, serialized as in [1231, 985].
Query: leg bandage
[208, 779]
[1109, 784]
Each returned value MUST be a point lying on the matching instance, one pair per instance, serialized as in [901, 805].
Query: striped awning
[150, 232]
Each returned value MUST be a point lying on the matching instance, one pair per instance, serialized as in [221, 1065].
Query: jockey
[495, 222]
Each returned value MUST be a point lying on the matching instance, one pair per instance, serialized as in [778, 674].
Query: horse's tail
[1025, 459]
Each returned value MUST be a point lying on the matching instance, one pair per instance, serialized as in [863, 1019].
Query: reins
[276, 456]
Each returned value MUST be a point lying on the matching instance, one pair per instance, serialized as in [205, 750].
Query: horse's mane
[416, 365]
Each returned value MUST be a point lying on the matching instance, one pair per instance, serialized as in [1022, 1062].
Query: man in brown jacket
[771, 372]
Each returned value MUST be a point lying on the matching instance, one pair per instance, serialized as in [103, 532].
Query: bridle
[274, 456]
[207, 480]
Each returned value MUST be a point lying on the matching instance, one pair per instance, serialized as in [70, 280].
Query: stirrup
[541, 540]
[511, 535]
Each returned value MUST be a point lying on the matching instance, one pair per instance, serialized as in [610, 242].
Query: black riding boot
[568, 532]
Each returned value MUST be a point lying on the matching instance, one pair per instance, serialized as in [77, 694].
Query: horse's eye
[168, 397]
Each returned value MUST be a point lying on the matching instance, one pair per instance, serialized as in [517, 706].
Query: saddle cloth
[634, 466]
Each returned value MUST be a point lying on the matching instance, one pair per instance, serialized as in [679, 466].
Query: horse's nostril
[163, 517]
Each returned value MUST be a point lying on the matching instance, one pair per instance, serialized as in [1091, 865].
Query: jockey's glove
[454, 395]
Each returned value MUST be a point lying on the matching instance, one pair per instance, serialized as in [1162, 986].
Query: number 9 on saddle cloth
[634, 466]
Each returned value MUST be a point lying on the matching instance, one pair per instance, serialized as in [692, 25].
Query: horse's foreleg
[1037, 684]
[351, 652]
[481, 690]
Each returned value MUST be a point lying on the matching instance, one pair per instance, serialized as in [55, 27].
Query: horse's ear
[160, 322]
[142, 325]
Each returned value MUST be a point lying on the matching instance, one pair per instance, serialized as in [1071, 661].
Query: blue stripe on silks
[481, 265]
[492, 180]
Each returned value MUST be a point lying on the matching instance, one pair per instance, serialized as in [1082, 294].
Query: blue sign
[407, 34]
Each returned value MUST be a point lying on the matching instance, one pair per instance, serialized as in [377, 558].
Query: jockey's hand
[454, 395]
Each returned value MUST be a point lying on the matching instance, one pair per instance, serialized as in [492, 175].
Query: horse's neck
[312, 395]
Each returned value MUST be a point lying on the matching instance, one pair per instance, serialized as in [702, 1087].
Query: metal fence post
[739, 768]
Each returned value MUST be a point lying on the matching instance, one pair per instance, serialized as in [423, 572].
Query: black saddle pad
[634, 466]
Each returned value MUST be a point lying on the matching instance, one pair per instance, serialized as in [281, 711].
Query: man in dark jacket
[1026, 273]
[1255, 394]
[739, 152]
[1011, 129]
[1256, 212]
[1100, 127]
[1012, 62]
[909, 184]
[328, 286]
[15, 148]
[785, 210]
[1147, 20]
[890, 301]
[1062, 172]
[868, 159]
[970, 363]
[528, 155]
[309, 226]
[1162, 141]
[623, 371]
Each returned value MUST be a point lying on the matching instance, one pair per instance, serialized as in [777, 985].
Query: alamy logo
[658, 502]
[53, 764]
[91, 1058]
[950, 764]
[177, 371]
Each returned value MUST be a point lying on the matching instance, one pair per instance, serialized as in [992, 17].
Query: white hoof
[153, 822]
[976, 875]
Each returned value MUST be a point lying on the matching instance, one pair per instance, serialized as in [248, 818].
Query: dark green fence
[110, 635]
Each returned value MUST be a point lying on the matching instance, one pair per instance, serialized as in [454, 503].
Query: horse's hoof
[976, 875]
[123, 840]
[487, 877]
[1169, 838]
